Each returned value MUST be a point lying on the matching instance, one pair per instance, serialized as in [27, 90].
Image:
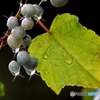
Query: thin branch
[4, 39]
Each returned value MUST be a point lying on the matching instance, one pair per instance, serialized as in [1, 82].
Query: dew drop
[69, 60]
[45, 56]
[46, 72]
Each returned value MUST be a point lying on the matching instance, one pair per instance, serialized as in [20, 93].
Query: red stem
[44, 27]
[1, 39]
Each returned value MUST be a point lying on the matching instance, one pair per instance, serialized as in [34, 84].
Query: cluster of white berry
[18, 34]
[18, 37]
[29, 63]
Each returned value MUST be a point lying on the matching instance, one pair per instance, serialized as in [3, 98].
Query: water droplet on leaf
[69, 60]
[46, 72]
[45, 56]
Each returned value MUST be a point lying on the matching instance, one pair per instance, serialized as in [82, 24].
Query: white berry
[39, 12]
[13, 42]
[27, 23]
[12, 22]
[28, 10]
[58, 3]
[18, 32]
[26, 40]
[14, 68]
[23, 58]
[30, 67]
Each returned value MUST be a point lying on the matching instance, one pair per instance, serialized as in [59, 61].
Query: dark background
[21, 89]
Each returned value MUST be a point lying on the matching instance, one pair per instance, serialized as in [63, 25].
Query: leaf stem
[43, 26]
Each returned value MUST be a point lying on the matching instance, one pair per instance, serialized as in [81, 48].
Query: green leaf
[68, 56]
[2, 92]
